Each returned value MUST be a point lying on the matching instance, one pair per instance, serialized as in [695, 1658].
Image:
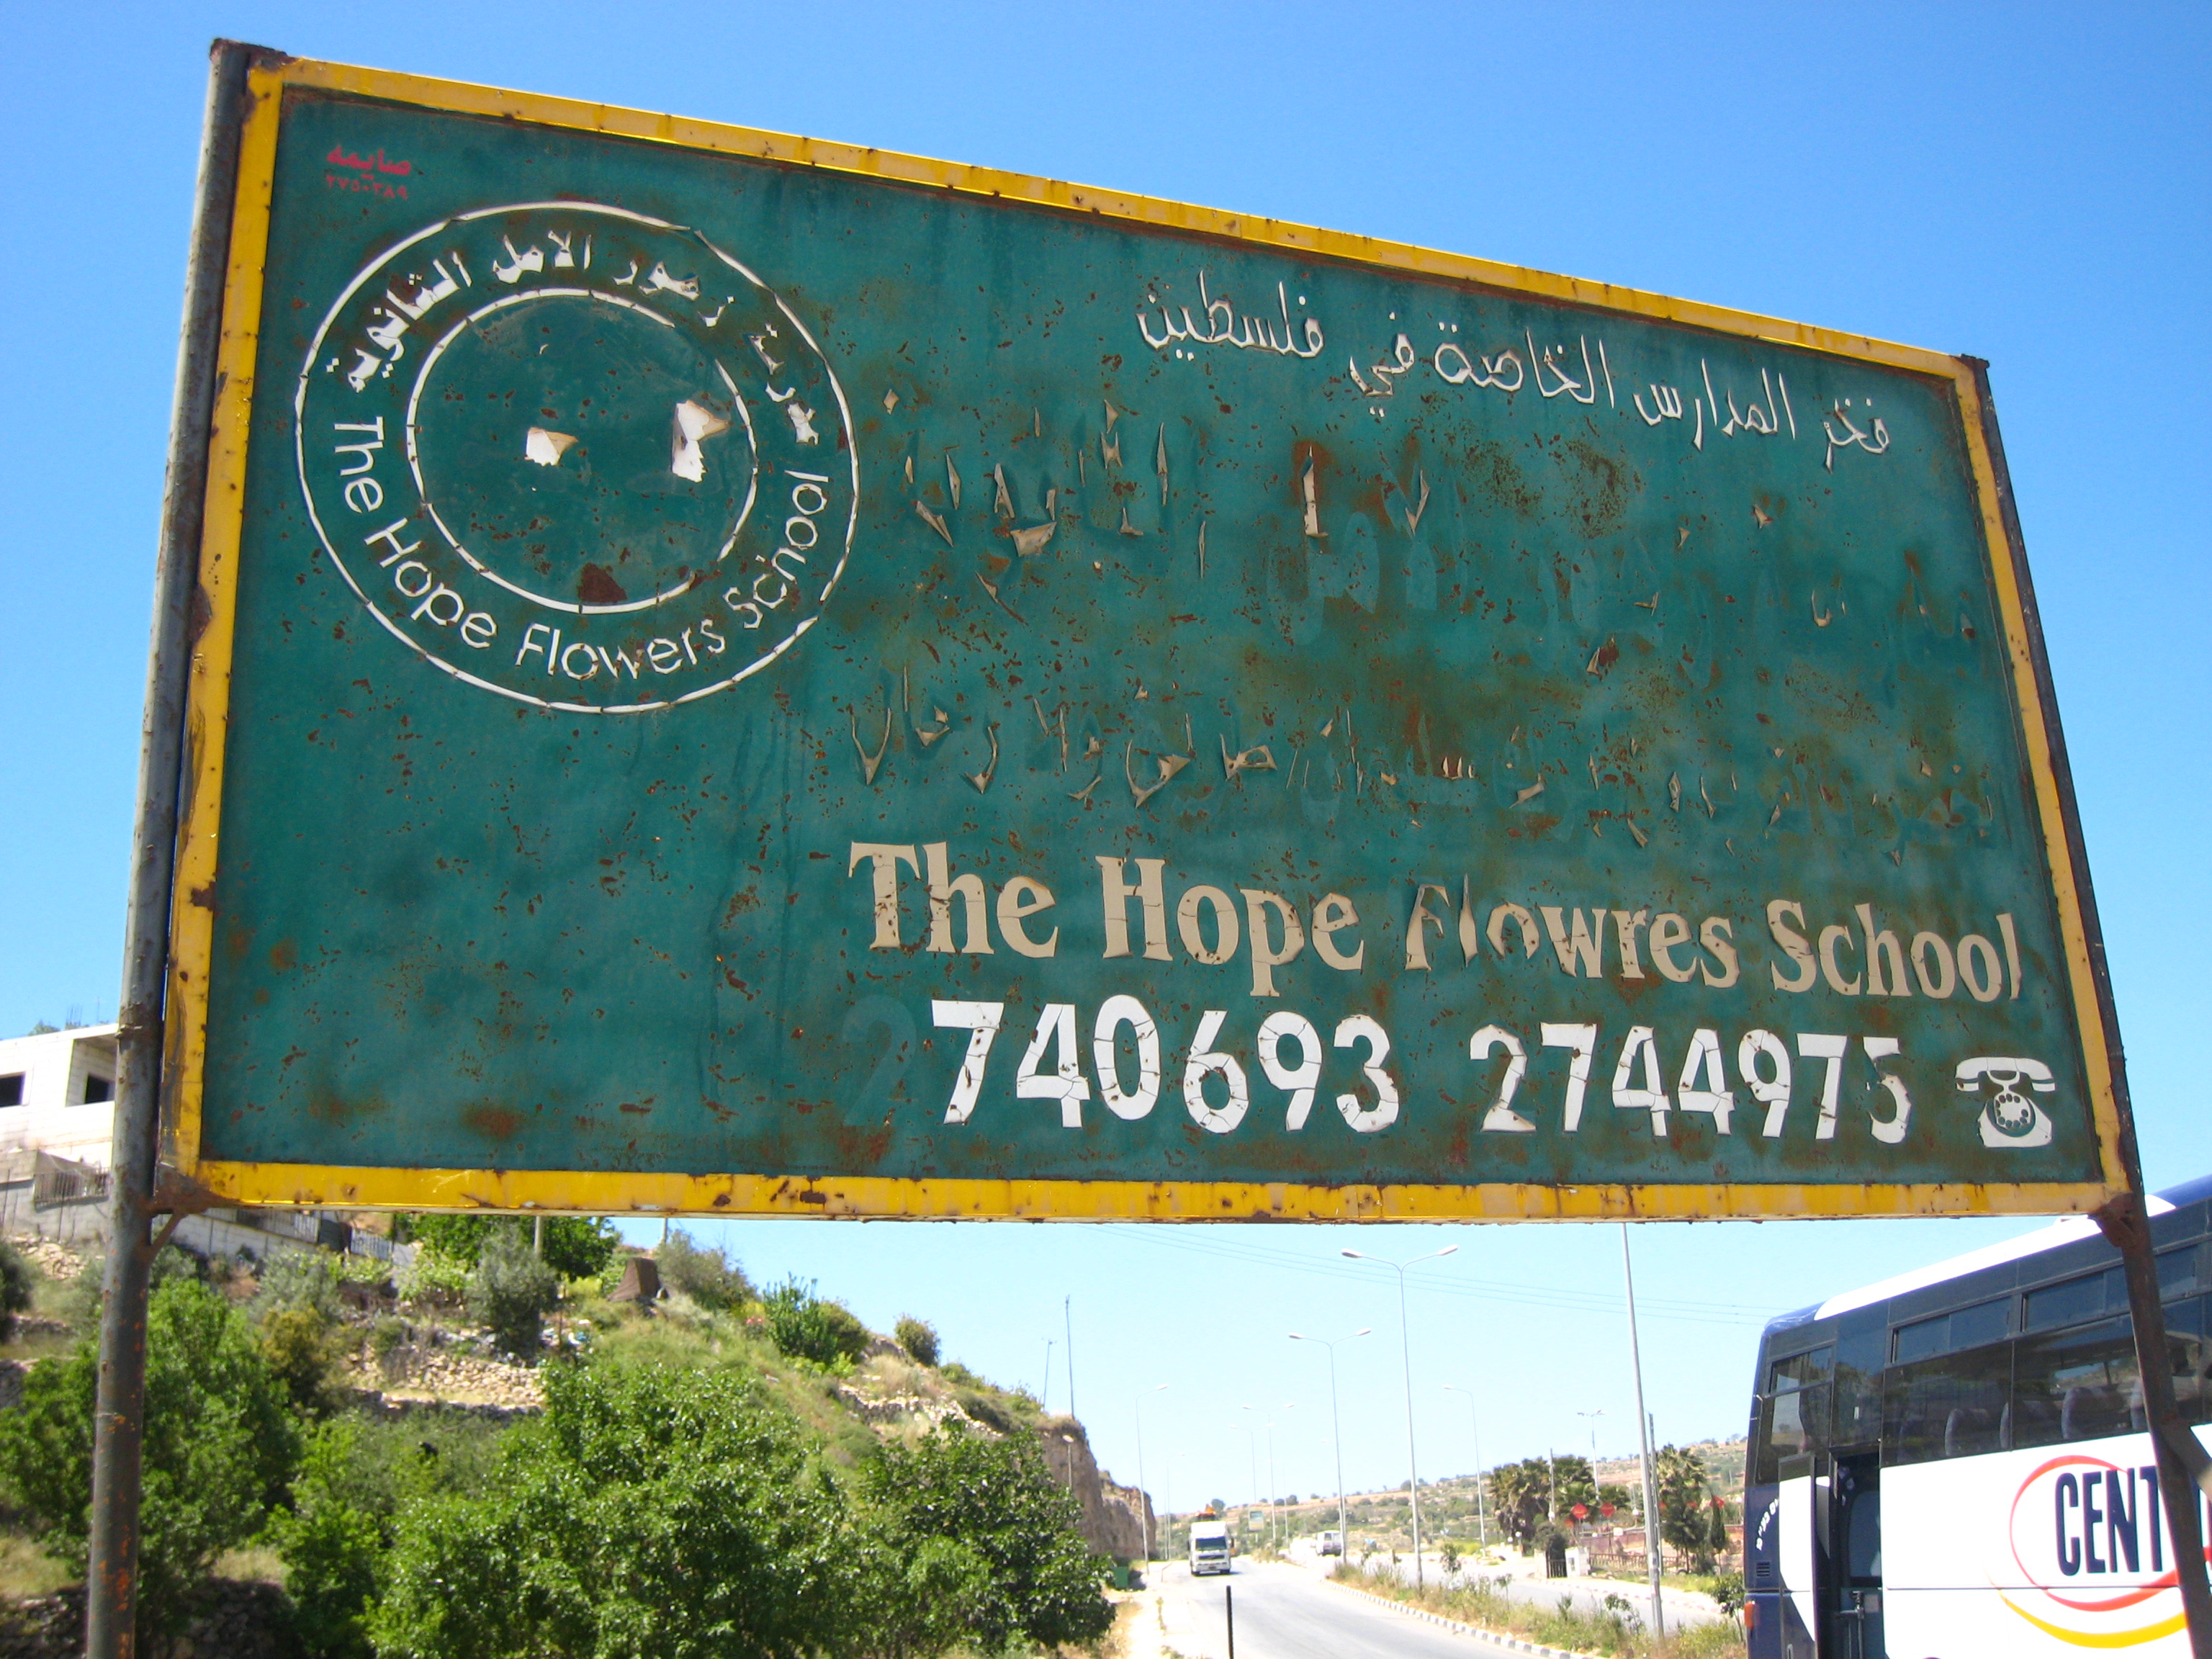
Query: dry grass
[27, 1570]
[252, 1565]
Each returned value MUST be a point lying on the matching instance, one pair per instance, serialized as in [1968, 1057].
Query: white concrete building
[58, 1094]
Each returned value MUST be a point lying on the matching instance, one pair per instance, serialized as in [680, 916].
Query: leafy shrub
[510, 1292]
[298, 1278]
[15, 1285]
[220, 1446]
[998, 1497]
[386, 1333]
[651, 1511]
[919, 1337]
[804, 1326]
[366, 1270]
[304, 1352]
[335, 1538]
[433, 1277]
[709, 1277]
[576, 1246]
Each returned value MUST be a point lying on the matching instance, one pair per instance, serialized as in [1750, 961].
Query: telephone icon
[2010, 1117]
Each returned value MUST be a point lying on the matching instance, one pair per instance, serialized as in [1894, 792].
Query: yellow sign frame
[193, 927]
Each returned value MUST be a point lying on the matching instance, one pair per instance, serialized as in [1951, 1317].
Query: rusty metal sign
[742, 675]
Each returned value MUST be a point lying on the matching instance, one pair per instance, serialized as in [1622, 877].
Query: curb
[1519, 1644]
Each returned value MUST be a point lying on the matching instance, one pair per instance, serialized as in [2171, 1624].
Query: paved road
[1284, 1613]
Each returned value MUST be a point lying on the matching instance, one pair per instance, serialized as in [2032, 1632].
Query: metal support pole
[2182, 1463]
[1336, 1440]
[1643, 1436]
[118, 1419]
[1068, 1329]
[1412, 1464]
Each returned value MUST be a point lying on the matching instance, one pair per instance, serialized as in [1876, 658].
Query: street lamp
[1406, 1348]
[1474, 1426]
[1270, 1428]
[1593, 1416]
[1335, 1431]
[1253, 1454]
[1144, 1497]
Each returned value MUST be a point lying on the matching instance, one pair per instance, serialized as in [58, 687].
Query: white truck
[1209, 1547]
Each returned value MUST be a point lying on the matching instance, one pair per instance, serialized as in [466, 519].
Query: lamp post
[1406, 1349]
[1592, 1418]
[1253, 1440]
[1335, 1430]
[1144, 1497]
[1474, 1427]
[1644, 1433]
[1252, 1454]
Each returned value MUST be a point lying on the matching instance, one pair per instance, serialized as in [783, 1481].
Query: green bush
[433, 1277]
[576, 1246]
[510, 1292]
[709, 1277]
[305, 1352]
[336, 1537]
[804, 1326]
[919, 1337]
[16, 1287]
[998, 1497]
[298, 1278]
[220, 1446]
[650, 1512]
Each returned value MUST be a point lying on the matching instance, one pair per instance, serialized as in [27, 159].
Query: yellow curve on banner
[2118, 1638]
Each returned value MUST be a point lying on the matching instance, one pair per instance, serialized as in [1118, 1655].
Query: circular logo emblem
[578, 457]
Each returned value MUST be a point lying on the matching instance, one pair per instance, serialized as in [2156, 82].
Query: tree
[805, 1327]
[576, 1246]
[220, 1446]
[918, 1337]
[511, 1291]
[1521, 1498]
[355, 1476]
[710, 1278]
[303, 1353]
[15, 1288]
[1687, 1518]
[998, 1496]
[1572, 1483]
[649, 1512]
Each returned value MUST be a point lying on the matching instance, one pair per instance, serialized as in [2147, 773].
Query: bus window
[1792, 1425]
[1946, 1332]
[1859, 1357]
[2075, 1300]
[1952, 1405]
[2192, 1360]
[2180, 1272]
[2080, 1384]
[1801, 1371]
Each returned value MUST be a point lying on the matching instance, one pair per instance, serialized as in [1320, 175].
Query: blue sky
[2028, 184]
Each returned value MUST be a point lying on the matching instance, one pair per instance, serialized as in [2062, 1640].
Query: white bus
[1953, 1462]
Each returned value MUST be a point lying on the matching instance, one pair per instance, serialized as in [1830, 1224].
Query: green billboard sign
[737, 675]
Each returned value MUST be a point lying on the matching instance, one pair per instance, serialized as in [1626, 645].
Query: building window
[97, 1088]
[11, 1088]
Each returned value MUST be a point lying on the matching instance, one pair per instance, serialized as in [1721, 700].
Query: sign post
[737, 675]
[119, 1419]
